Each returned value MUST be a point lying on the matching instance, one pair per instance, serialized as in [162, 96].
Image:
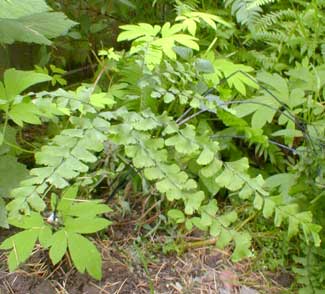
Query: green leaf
[3, 215]
[7, 139]
[16, 81]
[153, 173]
[193, 201]
[293, 227]
[85, 255]
[31, 21]
[243, 243]
[22, 245]
[176, 215]
[101, 100]
[11, 173]
[25, 112]
[210, 184]
[215, 229]
[289, 133]
[205, 157]
[32, 221]
[88, 209]
[209, 18]
[139, 155]
[224, 238]
[204, 65]
[228, 218]
[212, 168]
[278, 85]
[184, 142]
[268, 208]
[86, 225]
[58, 246]
[67, 198]
[36, 202]
[187, 41]
[233, 177]
[208, 212]
[233, 72]
[258, 201]
[45, 236]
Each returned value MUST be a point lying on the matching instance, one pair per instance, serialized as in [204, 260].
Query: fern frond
[271, 37]
[259, 3]
[186, 6]
[273, 18]
[64, 159]
[247, 11]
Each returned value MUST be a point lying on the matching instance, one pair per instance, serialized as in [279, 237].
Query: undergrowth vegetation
[217, 106]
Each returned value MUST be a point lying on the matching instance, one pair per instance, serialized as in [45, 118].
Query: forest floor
[139, 269]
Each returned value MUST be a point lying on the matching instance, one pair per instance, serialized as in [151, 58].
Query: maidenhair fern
[167, 121]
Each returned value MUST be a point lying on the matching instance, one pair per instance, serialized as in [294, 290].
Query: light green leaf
[176, 215]
[193, 201]
[86, 225]
[83, 154]
[215, 229]
[293, 227]
[210, 184]
[184, 142]
[85, 255]
[233, 177]
[31, 21]
[224, 238]
[212, 168]
[258, 201]
[268, 208]
[67, 198]
[16, 81]
[101, 100]
[205, 157]
[22, 245]
[132, 32]
[139, 155]
[32, 221]
[11, 173]
[279, 85]
[45, 236]
[36, 202]
[153, 173]
[25, 112]
[3, 215]
[262, 116]
[168, 97]
[290, 133]
[88, 209]
[236, 79]
[58, 246]
[204, 65]
[228, 218]
[187, 41]
[209, 18]
[243, 243]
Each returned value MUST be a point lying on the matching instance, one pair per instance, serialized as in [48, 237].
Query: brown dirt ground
[200, 270]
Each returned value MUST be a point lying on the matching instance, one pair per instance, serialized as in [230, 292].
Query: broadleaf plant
[31, 21]
[61, 232]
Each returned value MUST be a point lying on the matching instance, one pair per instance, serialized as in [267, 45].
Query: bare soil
[140, 270]
[198, 271]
